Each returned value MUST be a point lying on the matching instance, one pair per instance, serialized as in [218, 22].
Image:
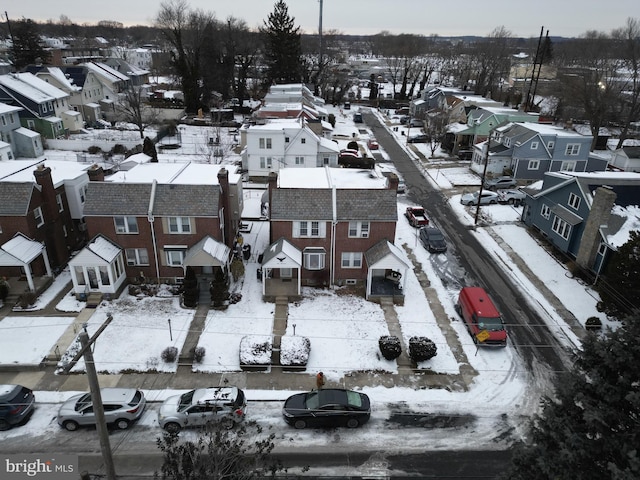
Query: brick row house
[161, 219]
[332, 226]
[40, 212]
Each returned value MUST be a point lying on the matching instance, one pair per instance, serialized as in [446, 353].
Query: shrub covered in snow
[255, 350]
[294, 350]
[198, 354]
[421, 349]
[169, 354]
[390, 347]
[593, 323]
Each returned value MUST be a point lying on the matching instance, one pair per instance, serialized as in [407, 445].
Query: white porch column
[47, 265]
[27, 271]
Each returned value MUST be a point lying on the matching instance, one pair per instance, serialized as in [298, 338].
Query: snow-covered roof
[328, 177]
[175, 173]
[22, 170]
[630, 217]
[43, 86]
[17, 83]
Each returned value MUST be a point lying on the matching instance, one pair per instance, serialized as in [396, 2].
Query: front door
[93, 278]
[285, 273]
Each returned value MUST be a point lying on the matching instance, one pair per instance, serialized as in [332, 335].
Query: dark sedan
[422, 138]
[433, 240]
[330, 407]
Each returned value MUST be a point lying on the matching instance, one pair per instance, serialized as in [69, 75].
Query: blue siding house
[583, 214]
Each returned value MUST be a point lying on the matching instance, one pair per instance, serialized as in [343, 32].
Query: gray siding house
[583, 214]
[529, 150]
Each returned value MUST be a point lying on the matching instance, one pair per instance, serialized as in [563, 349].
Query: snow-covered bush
[198, 354]
[294, 351]
[169, 354]
[390, 347]
[255, 351]
[421, 349]
[593, 323]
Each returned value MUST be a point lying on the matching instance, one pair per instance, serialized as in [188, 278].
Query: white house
[285, 143]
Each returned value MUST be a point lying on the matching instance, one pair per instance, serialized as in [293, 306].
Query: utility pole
[98, 408]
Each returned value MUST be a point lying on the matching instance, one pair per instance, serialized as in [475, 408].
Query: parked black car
[422, 138]
[16, 405]
[433, 239]
[330, 407]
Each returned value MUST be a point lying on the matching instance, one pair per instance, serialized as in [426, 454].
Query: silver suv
[121, 407]
[202, 406]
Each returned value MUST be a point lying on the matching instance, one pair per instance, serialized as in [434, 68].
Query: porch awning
[208, 252]
[385, 255]
[99, 252]
[569, 217]
[282, 254]
[19, 251]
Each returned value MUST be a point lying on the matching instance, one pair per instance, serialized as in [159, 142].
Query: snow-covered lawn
[27, 340]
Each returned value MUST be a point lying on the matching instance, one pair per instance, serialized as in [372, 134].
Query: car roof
[7, 390]
[214, 394]
[114, 395]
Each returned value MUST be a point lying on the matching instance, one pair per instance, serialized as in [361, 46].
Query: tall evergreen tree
[28, 47]
[283, 50]
[619, 288]
[590, 430]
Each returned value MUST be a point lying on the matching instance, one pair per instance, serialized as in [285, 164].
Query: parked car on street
[417, 216]
[372, 143]
[488, 198]
[500, 182]
[327, 407]
[122, 406]
[16, 405]
[422, 138]
[433, 239]
[202, 406]
[415, 122]
[511, 196]
[482, 318]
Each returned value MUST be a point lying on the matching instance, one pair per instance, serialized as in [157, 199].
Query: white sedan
[488, 198]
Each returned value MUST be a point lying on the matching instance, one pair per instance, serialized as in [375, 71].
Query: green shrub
[421, 349]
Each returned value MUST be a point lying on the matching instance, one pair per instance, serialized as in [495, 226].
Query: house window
[179, 225]
[286, 139]
[104, 275]
[534, 145]
[602, 249]
[574, 201]
[572, 149]
[309, 229]
[551, 144]
[314, 258]
[265, 143]
[175, 257]
[80, 275]
[568, 166]
[82, 192]
[507, 142]
[351, 259]
[4, 120]
[44, 108]
[50, 105]
[37, 214]
[325, 161]
[299, 160]
[358, 229]
[303, 140]
[59, 202]
[545, 211]
[265, 162]
[126, 224]
[533, 165]
[137, 256]
[561, 227]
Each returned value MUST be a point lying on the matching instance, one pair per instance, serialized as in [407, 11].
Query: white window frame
[358, 229]
[136, 256]
[561, 227]
[574, 201]
[266, 162]
[177, 225]
[126, 227]
[299, 160]
[351, 260]
[551, 144]
[59, 202]
[314, 258]
[533, 165]
[572, 149]
[309, 229]
[568, 166]
[175, 256]
[37, 214]
[545, 211]
[264, 143]
[534, 145]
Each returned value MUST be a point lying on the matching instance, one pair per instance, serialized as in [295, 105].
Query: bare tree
[629, 39]
[491, 60]
[186, 31]
[134, 108]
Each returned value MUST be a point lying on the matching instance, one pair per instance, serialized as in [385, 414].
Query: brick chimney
[96, 173]
[393, 181]
[223, 181]
[603, 201]
[53, 224]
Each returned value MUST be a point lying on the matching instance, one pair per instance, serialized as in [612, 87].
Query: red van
[481, 317]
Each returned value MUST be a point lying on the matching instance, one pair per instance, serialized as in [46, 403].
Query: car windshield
[490, 323]
[185, 401]
[82, 402]
[354, 399]
[313, 400]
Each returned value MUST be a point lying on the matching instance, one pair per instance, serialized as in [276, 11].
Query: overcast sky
[567, 18]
